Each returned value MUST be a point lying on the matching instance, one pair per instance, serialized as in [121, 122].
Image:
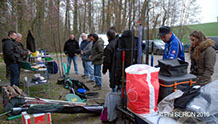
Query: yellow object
[34, 54]
[74, 100]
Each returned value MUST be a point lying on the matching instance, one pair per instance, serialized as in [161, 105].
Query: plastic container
[81, 90]
[35, 54]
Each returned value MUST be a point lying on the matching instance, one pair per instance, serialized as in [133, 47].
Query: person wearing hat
[109, 57]
[173, 46]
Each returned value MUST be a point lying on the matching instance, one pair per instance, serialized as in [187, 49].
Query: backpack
[109, 112]
[52, 67]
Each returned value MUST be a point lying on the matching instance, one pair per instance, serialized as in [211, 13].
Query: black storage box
[171, 84]
[172, 67]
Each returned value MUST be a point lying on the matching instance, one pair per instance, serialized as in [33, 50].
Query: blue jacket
[83, 44]
[174, 49]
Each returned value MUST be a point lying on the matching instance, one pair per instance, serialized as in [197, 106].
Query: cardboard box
[41, 118]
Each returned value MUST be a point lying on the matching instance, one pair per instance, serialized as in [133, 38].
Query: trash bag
[142, 87]
[205, 104]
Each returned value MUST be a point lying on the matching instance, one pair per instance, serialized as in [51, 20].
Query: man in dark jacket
[71, 49]
[82, 46]
[109, 57]
[173, 46]
[11, 57]
[97, 59]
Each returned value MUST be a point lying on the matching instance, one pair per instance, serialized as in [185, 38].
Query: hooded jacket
[97, 52]
[10, 51]
[71, 47]
[203, 59]
[109, 55]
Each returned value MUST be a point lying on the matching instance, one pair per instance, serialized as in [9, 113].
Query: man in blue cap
[173, 46]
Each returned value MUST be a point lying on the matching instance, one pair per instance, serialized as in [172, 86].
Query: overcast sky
[209, 10]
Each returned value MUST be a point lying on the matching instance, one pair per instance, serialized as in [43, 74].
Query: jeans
[15, 75]
[97, 73]
[86, 72]
[69, 59]
[90, 69]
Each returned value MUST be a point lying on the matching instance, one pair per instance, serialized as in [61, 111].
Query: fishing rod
[147, 42]
[140, 54]
[152, 53]
[131, 56]
[140, 36]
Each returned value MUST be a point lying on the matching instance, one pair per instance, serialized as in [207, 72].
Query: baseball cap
[164, 30]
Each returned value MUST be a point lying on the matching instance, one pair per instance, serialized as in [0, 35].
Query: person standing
[97, 59]
[173, 46]
[203, 57]
[109, 57]
[82, 46]
[86, 52]
[23, 52]
[71, 49]
[11, 57]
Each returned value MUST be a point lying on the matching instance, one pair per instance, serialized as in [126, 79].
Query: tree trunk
[103, 14]
[84, 19]
[90, 16]
[143, 13]
[66, 20]
[108, 20]
[75, 23]
[124, 16]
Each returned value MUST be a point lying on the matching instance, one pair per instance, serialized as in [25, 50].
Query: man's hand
[29, 52]
[90, 57]
[81, 52]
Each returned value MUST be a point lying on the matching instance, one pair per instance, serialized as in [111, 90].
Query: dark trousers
[15, 75]
[8, 72]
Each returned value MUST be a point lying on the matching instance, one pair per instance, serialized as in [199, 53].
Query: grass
[209, 29]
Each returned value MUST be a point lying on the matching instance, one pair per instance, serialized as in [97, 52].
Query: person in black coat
[109, 57]
[71, 49]
[11, 57]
